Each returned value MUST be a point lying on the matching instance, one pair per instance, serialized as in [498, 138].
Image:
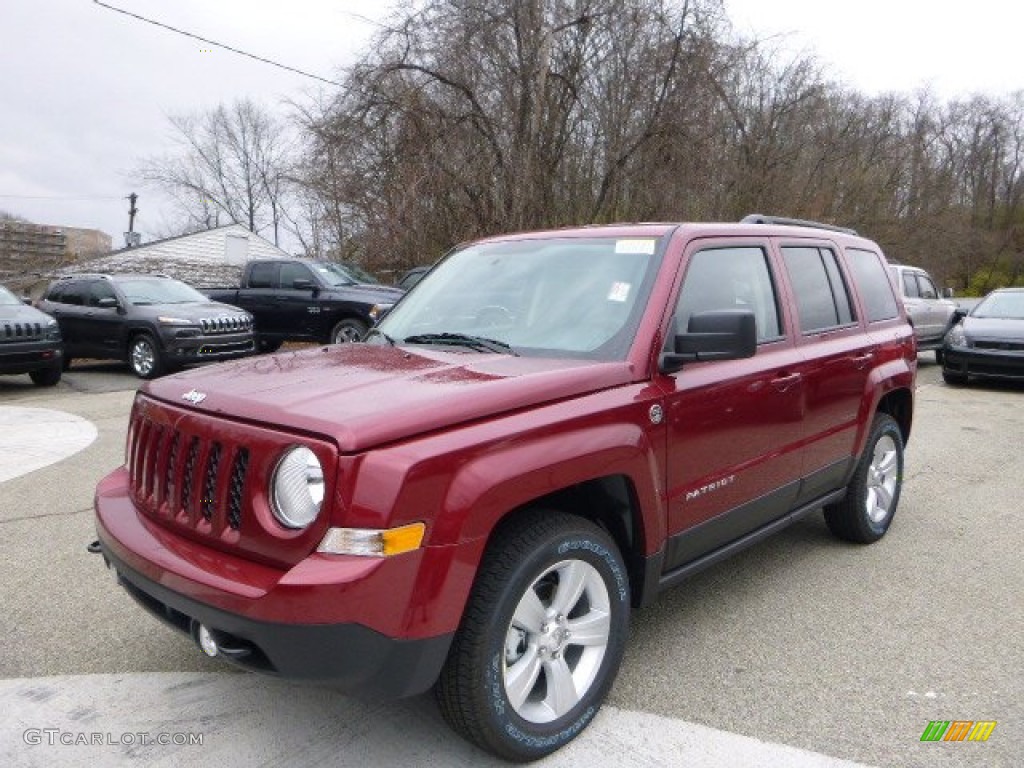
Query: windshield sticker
[619, 292]
[640, 247]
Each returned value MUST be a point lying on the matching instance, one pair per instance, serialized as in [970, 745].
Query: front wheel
[541, 639]
[865, 513]
[144, 357]
[268, 346]
[348, 330]
[953, 379]
[46, 377]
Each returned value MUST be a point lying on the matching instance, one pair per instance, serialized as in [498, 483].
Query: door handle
[862, 360]
[783, 382]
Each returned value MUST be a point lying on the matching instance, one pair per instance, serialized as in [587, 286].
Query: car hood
[22, 313]
[363, 395]
[993, 328]
[368, 292]
[194, 310]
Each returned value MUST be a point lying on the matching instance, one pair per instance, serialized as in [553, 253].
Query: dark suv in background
[152, 322]
[29, 341]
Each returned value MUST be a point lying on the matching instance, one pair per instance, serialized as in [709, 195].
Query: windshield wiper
[478, 343]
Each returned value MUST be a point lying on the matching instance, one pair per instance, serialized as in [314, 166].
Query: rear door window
[822, 298]
[262, 275]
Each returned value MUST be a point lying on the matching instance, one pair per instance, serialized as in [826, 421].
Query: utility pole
[130, 238]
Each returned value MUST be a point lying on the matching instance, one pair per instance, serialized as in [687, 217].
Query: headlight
[297, 488]
[956, 336]
[174, 320]
[377, 311]
[52, 331]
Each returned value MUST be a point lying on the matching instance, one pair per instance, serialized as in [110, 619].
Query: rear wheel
[865, 513]
[348, 330]
[46, 377]
[541, 638]
[144, 357]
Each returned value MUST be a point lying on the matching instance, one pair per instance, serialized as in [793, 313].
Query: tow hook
[94, 548]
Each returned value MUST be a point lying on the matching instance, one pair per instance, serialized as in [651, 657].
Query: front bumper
[313, 621]
[28, 356]
[181, 350]
[349, 656]
[983, 363]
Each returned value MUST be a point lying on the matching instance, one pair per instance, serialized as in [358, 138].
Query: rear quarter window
[873, 284]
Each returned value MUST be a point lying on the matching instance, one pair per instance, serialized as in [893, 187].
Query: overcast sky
[86, 91]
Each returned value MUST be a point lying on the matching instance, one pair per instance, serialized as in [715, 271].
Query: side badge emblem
[657, 414]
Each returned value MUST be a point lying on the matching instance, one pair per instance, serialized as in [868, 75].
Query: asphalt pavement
[802, 651]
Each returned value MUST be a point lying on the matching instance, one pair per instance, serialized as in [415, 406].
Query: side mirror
[302, 284]
[724, 334]
[107, 302]
[947, 293]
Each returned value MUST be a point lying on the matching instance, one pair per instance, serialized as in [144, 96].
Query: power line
[219, 45]
[62, 197]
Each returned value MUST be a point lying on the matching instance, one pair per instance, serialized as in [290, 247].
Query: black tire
[501, 638]
[938, 356]
[267, 346]
[46, 377]
[865, 513]
[144, 357]
[348, 330]
[953, 379]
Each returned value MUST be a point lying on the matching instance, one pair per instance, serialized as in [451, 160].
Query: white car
[929, 311]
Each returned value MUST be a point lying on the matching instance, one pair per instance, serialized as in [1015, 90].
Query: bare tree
[230, 166]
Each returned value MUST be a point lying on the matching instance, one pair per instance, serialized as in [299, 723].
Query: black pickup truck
[307, 300]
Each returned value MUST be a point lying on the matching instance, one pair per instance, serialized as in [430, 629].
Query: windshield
[159, 291]
[7, 298]
[574, 297]
[1001, 305]
[342, 274]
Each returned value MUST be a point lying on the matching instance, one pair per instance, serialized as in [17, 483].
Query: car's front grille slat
[236, 488]
[208, 502]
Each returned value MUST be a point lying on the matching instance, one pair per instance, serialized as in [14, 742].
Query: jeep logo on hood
[194, 397]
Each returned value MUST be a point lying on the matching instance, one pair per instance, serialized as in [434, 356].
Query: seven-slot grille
[21, 331]
[197, 482]
[207, 478]
[225, 324]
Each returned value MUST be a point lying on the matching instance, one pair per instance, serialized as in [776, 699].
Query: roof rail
[760, 218]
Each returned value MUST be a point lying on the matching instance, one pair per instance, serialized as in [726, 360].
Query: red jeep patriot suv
[547, 431]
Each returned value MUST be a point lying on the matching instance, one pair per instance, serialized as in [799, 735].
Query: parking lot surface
[802, 651]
